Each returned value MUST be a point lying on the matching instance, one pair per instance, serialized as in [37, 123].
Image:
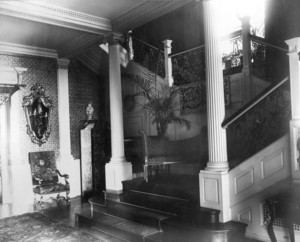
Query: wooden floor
[64, 214]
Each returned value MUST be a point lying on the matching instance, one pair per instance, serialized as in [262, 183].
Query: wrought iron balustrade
[268, 61]
[232, 48]
[149, 56]
[259, 123]
[189, 66]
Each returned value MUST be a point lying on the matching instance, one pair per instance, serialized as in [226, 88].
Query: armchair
[45, 178]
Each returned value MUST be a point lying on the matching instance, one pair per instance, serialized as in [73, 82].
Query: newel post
[247, 91]
[168, 62]
[294, 50]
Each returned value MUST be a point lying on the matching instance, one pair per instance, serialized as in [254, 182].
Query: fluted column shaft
[116, 109]
[215, 88]
[118, 169]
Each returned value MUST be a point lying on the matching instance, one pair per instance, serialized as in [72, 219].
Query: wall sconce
[37, 108]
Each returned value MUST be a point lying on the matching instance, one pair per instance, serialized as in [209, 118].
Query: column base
[217, 166]
[214, 192]
[115, 173]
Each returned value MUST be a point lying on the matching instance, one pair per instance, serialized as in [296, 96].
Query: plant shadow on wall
[160, 104]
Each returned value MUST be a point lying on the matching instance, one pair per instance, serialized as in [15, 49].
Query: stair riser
[160, 203]
[119, 233]
[121, 211]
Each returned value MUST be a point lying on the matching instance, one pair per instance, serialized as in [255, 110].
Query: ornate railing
[232, 58]
[149, 56]
[193, 96]
[269, 62]
[189, 66]
[259, 123]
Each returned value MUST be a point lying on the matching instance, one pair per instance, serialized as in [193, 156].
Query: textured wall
[84, 87]
[42, 71]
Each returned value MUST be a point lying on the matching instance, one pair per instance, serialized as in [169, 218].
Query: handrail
[260, 40]
[185, 51]
[232, 35]
[229, 36]
[252, 103]
[145, 43]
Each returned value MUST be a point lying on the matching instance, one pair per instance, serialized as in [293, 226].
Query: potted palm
[160, 104]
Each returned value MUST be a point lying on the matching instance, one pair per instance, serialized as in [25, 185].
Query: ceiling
[72, 28]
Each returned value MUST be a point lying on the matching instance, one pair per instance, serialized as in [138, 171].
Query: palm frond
[160, 105]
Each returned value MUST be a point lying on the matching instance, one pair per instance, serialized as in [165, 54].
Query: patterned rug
[35, 227]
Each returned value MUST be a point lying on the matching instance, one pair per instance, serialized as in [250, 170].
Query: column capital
[63, 63]
[293, 44]
[114, 38]
[167, 43]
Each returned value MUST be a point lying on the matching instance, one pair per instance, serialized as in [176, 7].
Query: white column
[168, 62]
[248, 91]
[63, 108]
[67, 163]
[294, 50]
[5, 150]
[118, 169]
[214, 88]
[214, 189]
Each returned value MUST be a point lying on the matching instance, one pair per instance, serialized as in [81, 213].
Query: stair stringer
[253, 181]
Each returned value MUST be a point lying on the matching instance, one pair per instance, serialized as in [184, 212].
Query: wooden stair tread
[121, 228]
[131, 212]
[102, 236]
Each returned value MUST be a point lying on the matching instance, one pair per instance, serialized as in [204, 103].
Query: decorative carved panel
[37, 107]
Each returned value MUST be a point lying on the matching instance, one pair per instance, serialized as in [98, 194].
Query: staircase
[162, 209]
[167, 208]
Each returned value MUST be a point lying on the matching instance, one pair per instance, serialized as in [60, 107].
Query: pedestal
[86, 164]
[115, 173]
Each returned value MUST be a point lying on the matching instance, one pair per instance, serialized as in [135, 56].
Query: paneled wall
[256, 179]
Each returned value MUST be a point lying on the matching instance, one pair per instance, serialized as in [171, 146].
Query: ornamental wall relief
[37, 107]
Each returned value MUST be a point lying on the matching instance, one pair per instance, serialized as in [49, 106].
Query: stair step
[132, 212]
[230, 231]
[121, 228]
[183, 186]
[103, 237]
[154, 201]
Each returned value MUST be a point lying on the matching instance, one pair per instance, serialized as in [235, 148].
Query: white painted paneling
[253, 181]
[244, 181]
[211, 191]
[245, 215]
[260, 171]
[272, 164]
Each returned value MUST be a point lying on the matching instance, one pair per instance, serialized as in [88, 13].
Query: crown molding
[50, 14]
[9, 48]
